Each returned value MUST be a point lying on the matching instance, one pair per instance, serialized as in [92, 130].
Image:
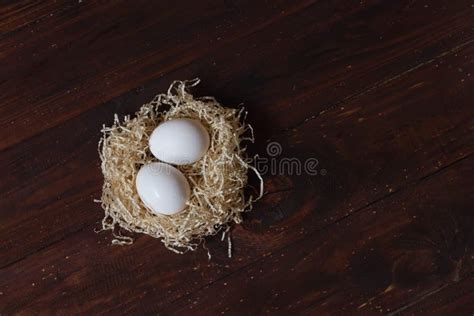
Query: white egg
[163, 188]
[179, 141]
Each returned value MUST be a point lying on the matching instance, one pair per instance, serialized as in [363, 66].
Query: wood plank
[91, 53]
[409, 129]
[336, 59]
[21, 14]
[395, 250]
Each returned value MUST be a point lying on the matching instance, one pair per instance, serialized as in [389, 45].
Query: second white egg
[163, 188]
[179, 141]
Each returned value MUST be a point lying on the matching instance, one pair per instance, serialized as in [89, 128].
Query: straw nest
[217, 180]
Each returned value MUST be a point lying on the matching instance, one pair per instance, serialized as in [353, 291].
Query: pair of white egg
[162, 187]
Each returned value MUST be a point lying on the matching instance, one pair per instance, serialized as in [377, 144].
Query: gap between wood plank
[423, 297]
[379, 84]
[66, 236]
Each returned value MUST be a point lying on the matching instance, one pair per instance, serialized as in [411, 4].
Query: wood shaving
[217, 180]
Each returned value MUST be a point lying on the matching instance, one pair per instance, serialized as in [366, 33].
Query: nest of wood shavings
[217, 180]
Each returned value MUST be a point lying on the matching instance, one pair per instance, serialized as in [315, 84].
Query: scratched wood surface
[381, 93]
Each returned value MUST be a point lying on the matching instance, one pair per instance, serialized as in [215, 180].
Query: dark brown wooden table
[381, 93]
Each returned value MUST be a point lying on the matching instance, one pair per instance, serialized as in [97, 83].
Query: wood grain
[454, 299]
[83, 60]
[379, 92]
